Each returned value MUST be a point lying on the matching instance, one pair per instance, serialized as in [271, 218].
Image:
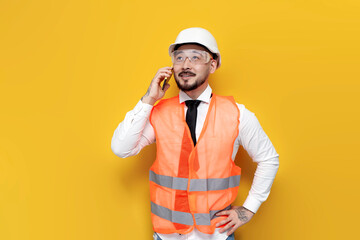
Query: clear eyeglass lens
[195, 56]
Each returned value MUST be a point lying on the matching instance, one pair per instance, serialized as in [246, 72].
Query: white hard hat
[200, 36]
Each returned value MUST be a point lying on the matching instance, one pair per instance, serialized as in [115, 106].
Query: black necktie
[191, 115]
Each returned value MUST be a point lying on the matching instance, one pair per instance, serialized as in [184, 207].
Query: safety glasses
[194, 56]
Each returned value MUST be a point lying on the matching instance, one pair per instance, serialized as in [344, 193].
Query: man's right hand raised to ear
[154, 91]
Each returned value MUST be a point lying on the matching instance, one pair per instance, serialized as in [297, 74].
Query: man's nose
[187, 63]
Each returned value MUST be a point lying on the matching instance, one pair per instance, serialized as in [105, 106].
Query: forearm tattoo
[241, 212]
[147, 93]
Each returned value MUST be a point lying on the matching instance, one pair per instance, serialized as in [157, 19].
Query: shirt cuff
[252, 204]
[142, 109]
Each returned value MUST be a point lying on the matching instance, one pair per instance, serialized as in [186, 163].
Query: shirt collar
[204, 96]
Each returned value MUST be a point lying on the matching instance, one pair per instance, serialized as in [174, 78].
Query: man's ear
[213, 65]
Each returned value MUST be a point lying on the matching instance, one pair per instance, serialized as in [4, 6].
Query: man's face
[189, 76]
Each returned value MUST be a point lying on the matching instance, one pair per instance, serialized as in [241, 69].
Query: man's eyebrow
[193, 50]
[196, 51]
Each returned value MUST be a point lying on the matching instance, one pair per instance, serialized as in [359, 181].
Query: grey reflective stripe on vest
[205, 218]
[184, 217]
[172, 216]
[169, 182]
[210, 184]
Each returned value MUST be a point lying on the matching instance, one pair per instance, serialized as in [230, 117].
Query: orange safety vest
[189, 185]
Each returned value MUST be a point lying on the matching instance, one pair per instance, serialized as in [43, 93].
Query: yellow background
[70, 70]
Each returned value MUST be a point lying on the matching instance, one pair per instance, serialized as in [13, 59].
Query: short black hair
[214, 56]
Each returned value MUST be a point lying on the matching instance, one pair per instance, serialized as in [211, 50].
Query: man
[194, 181]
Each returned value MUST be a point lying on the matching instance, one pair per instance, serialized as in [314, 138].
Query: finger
[223, 213]
[223, 222]
[229, 225]
[165, 72]
[161, 77]
[161, 71]
[165, 69]
[232, 230]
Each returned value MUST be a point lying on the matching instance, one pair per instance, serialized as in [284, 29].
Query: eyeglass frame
[172, 55]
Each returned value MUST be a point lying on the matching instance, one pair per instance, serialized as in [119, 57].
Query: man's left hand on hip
[237, 216]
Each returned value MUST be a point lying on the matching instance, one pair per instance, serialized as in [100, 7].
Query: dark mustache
[186, 72]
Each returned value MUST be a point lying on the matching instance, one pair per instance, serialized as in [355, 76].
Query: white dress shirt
[135, 132]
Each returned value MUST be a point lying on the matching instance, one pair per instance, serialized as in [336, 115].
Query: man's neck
[194, 94]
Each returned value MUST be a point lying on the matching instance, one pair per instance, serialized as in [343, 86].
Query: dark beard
[194, 86]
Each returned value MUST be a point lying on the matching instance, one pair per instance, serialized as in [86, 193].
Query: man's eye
[195, 58]
[178, 58]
